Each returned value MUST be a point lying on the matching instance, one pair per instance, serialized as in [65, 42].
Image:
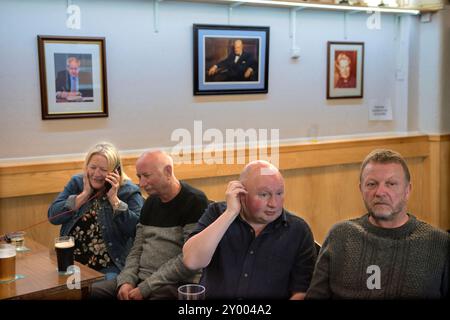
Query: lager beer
[18, 239]
[64, 247]
[18, 242]
[7, 263]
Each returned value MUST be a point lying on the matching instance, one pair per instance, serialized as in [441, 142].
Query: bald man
[249, 246]
[154, 268]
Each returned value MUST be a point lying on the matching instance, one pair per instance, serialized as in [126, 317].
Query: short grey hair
[385, 156]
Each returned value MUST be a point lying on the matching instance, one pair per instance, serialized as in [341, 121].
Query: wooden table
[42, 281]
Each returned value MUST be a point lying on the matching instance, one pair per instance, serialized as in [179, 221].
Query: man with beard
[387, 253]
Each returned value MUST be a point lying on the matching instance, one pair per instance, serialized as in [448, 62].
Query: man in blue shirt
[249, 246]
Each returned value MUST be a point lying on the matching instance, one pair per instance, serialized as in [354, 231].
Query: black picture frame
[214, 45]
[345, 70]
[85, 96]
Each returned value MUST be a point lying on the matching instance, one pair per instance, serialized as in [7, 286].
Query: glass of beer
[18, 239]
[191, 292]
[64, 247]
[7, 263]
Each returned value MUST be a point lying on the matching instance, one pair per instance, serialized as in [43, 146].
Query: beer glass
[191, 292]
[7, 263]
[18, 239]
[64, 247]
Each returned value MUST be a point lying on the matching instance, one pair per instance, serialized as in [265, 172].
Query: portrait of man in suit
[74, 83]
[237, 62]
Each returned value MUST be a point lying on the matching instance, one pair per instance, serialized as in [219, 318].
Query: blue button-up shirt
[73, 84]
[273, 265]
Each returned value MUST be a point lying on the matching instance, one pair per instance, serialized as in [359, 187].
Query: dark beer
[64, 247]
[7, 263]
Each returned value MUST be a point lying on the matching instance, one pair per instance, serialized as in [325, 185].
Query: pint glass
[191, 292]
[64, 247]
[18, 239]
[7, 263]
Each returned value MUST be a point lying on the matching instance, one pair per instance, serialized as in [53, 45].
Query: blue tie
[73, 84]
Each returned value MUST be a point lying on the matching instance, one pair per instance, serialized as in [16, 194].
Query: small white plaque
[380, 110]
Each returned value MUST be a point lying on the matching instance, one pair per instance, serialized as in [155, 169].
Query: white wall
[432, 74]
[150, 75]
[445, 73]
[429, 74]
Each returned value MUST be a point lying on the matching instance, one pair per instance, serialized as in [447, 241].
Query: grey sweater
[155, 260]
[413, 262]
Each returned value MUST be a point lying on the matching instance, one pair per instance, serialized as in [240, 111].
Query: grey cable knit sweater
[413, 262]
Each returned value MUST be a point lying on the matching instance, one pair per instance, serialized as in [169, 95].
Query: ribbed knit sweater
[413, 262]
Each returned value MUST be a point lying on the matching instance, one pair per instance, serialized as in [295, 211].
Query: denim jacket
[118, 226]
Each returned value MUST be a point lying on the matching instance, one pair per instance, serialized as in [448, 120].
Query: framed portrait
[73, 77]
[345, 70]
[230, 59]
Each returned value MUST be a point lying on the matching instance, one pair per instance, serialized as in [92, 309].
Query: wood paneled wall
[321, 182]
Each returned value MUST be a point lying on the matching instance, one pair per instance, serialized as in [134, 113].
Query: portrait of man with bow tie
[230, 59]
[239, 63]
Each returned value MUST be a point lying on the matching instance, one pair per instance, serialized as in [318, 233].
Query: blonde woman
[100, 209]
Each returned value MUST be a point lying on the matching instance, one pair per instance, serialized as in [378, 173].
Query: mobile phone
[107, 184]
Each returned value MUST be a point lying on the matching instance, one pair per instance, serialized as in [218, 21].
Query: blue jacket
[118, 227]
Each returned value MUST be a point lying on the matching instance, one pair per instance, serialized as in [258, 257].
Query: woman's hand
[87, 188]
[83, 197]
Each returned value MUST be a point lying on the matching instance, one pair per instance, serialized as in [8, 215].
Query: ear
[243, 201]
[168, 170]
[408, 190]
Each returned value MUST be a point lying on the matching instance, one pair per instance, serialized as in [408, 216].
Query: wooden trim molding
[439, 137]
[321, 182]
[38, 178]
